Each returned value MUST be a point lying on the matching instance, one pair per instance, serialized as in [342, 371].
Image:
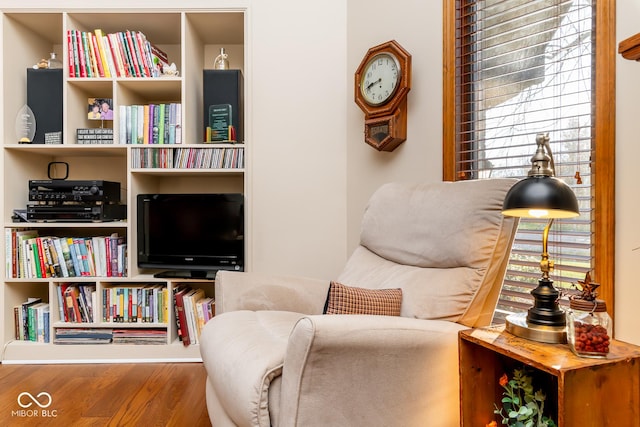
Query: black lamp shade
[545, 193]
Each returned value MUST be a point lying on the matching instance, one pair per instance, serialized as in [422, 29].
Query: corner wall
[417, 26]
[627, 293]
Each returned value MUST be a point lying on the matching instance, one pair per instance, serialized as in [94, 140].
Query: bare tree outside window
[522, 68]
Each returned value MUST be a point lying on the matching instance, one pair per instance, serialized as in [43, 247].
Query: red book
[72, 68]
[128, 62]
[107, 254]
[141, 49]
[183, 331]
[41, 259]
[71, 299]
[132, 52]
[82, 58]
[95, 55]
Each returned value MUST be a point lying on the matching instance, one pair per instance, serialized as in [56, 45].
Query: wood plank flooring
[145, 394]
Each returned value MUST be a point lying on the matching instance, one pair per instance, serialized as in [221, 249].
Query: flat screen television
[190, 235]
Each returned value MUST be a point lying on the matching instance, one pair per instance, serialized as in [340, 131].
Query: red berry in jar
[588, 328]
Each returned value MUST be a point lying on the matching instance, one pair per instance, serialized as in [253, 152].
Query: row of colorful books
[76, 302]
[193, 310]
[132, 304]
[150, 123]
[32, 320]
[120, 54]
[29, 255]
[189, 158]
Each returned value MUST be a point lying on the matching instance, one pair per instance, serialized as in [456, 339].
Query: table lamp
[541, 195]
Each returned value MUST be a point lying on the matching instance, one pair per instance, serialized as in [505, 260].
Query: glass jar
[53, 61]
[588, 328]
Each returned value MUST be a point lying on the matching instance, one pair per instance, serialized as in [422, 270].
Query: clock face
[380, 78]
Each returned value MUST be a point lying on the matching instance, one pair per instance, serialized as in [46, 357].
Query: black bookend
[44, 97]
[223, 88]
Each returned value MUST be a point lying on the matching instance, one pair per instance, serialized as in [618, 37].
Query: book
[102, 51]
[132, 55]
[72, 307]
[9, 253]
[24, 318]
[181, 320]
[63, 248]
[48, 243]
[61, 305]
[128, 61]
[83, 256]
[70, 54]
[140, 122]
[37, 265]
[140, 42]
[116, 52]
[87, 55]
[35, 321]
[145, 120]
[75, 257]
[95, 55]
[190, 311]
[202, 312]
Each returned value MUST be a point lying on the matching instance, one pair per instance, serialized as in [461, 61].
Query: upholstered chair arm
[411, 364]
[255, 291]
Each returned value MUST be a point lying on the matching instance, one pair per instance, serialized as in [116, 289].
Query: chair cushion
[446, 256]
[243, 352]
[343, 299]
[435, 225]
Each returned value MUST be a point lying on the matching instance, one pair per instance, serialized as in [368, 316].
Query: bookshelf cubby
[191, 36]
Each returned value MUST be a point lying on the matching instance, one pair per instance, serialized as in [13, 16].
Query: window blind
[522, 68]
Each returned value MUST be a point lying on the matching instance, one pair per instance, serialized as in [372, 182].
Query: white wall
[298, 153]
[627, 293]
[417, 26]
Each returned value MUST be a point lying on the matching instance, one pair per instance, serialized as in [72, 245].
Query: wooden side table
[580, 391]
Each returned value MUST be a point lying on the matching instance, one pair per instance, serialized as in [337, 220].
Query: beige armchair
[272, 357]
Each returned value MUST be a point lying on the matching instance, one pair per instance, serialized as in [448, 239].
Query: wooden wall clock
[382, 82]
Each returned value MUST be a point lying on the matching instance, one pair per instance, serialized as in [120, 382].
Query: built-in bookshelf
[110, 309]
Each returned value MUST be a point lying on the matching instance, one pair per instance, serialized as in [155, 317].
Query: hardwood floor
[104, 395]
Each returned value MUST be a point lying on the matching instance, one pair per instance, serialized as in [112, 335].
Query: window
[516, 68]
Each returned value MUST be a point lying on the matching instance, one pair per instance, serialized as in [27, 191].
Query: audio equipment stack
[62, 200]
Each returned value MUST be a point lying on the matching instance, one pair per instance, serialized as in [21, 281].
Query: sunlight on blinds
[525, 67]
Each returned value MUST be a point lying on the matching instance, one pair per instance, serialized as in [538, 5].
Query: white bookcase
[191, 37]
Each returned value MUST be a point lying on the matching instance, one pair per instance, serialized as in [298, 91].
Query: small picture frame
[100, 109]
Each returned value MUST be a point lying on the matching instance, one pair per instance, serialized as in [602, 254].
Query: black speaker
[223, 87]
[44, 97]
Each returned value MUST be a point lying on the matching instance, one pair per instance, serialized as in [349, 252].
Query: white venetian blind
[522, 68]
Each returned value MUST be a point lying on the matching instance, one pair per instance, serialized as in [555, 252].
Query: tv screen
[191, 235]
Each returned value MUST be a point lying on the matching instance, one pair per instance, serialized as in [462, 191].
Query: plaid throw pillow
[343, 299]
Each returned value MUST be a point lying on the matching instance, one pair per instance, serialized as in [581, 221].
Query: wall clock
[382, 82]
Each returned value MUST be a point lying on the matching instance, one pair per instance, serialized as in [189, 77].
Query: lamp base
[517, 325]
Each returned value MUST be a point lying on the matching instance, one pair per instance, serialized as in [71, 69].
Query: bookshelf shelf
[191, 36]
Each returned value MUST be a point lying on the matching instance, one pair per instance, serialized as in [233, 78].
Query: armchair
[272, 357]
